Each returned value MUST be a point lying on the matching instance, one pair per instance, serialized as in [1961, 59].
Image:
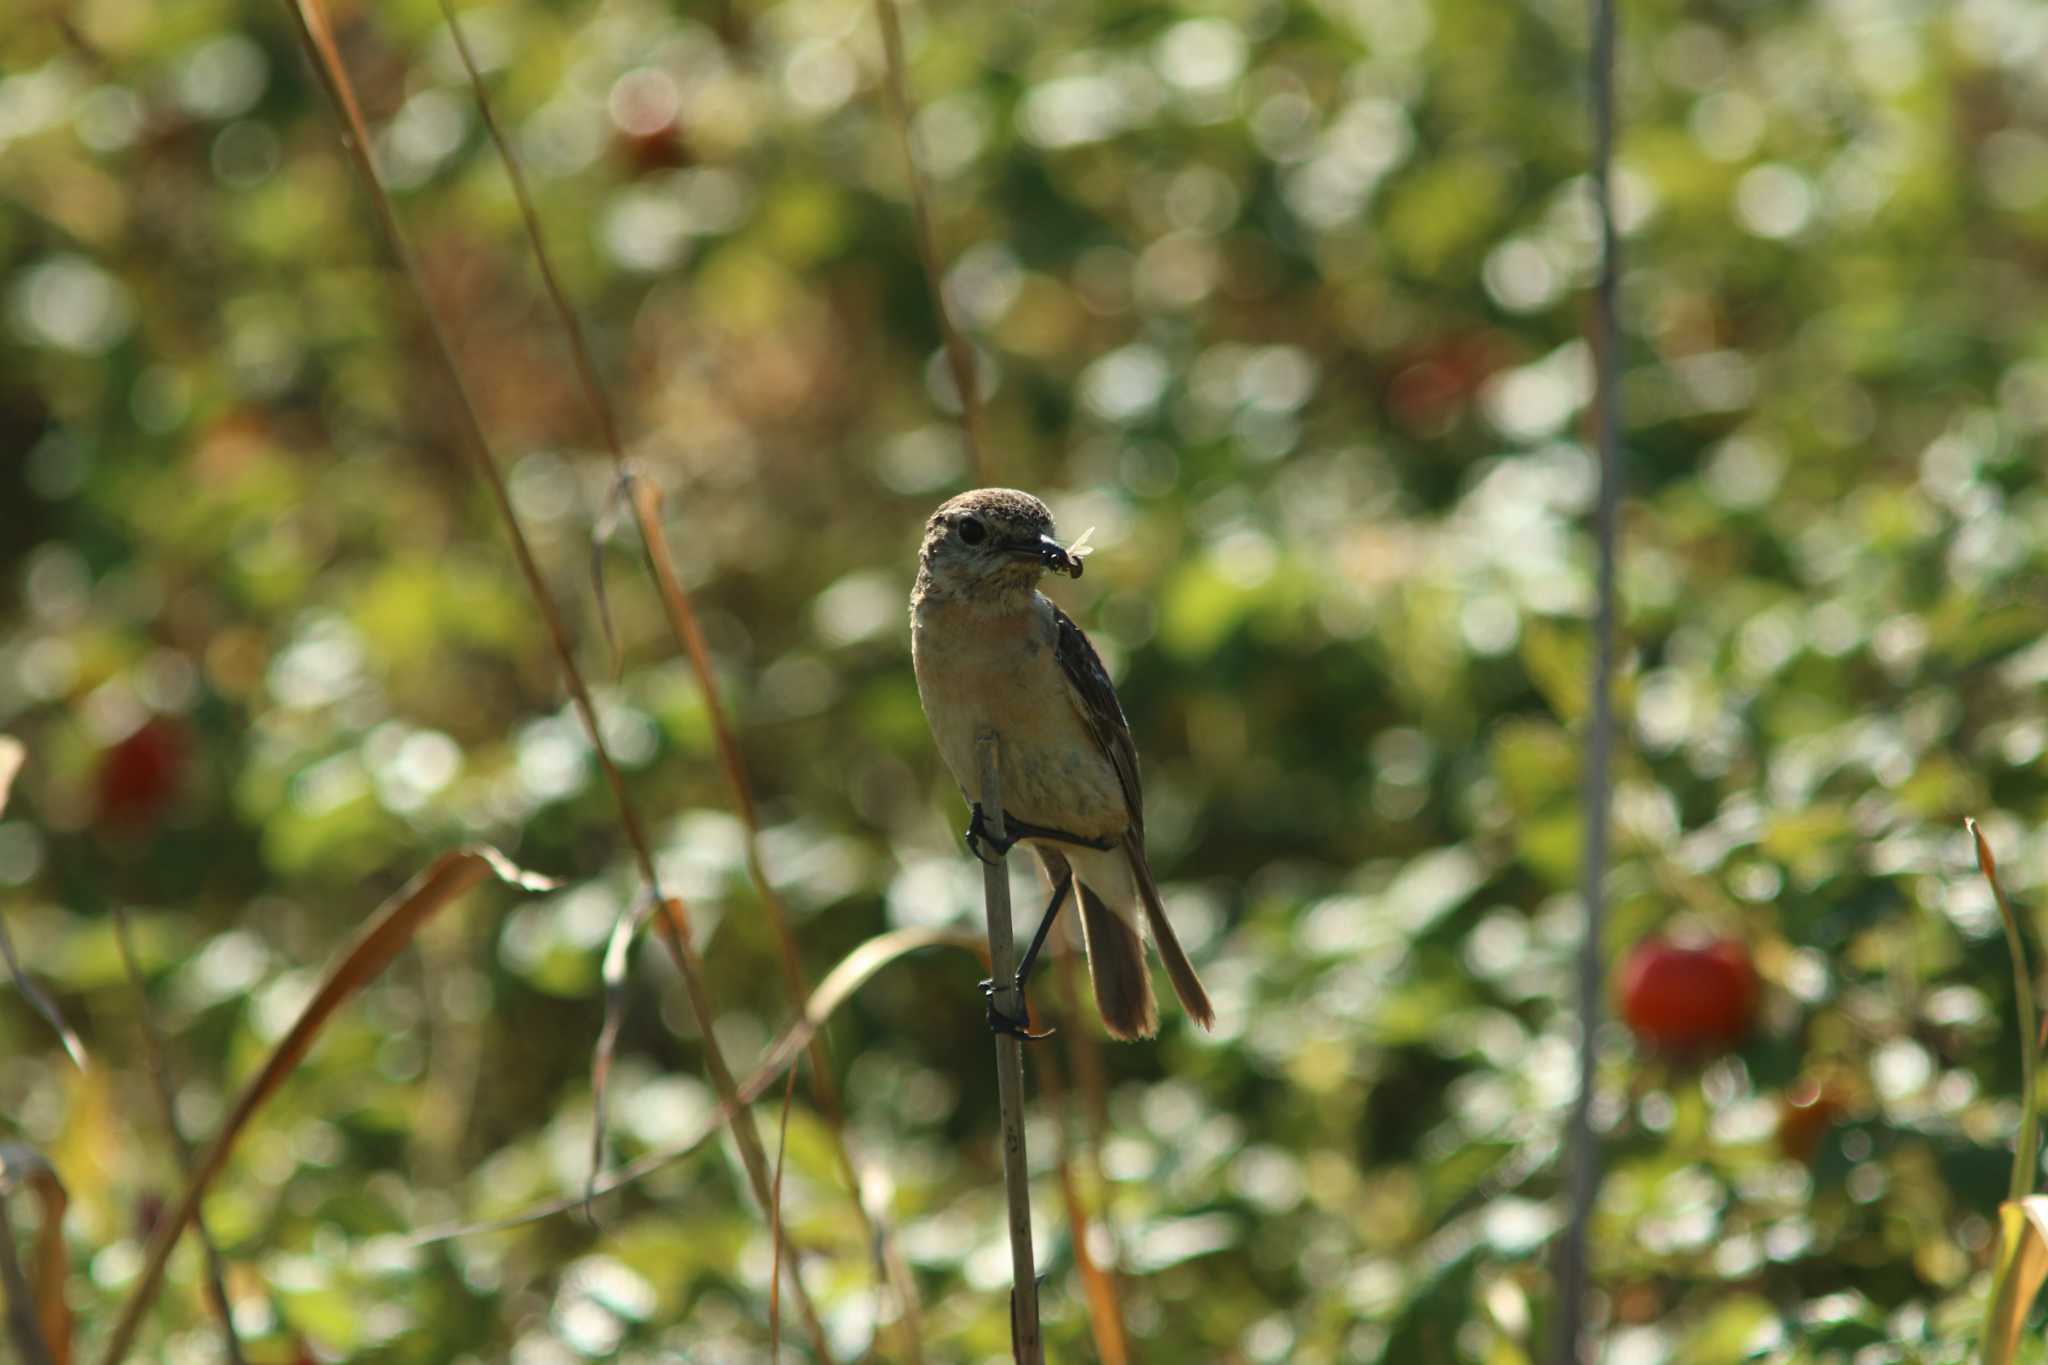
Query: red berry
[140, 776]
[1679, 998]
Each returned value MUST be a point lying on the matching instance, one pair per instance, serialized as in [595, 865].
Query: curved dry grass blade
[2027, 1146]
[13, 754]
[2017, 1276]
[38, 1317]
[381, 940]
[959, 356]
[156, 1062]
[839, 986]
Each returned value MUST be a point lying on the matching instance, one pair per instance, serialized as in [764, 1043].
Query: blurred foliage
[1281, 297]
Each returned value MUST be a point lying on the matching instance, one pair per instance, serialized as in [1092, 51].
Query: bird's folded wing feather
[1094, 698]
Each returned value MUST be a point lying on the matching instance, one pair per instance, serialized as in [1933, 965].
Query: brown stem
[1025, 1341]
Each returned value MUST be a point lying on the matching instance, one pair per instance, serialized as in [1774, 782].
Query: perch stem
[1025, 1343]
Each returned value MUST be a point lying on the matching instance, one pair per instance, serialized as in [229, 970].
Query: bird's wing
[1094, 698]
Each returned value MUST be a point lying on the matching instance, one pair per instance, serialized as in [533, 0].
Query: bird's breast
[981, 672]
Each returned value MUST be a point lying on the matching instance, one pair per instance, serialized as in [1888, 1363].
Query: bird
[991, 652]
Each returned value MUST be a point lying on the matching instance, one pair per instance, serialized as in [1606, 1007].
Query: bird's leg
[1024, 829]
[1003, 1023]
[1052, 912]
[979, 839]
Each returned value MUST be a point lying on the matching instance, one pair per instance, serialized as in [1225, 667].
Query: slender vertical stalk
[683, 623]
[1098, 1282]
[1583, 1165]
[673, 917]
[959, 355]
[1025, 1343]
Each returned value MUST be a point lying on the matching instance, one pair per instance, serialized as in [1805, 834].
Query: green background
[1284, 300]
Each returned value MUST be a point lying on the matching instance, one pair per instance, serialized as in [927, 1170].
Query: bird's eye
[972, 531]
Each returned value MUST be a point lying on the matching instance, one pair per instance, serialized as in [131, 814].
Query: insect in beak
[1055, 557]
[1058, 558]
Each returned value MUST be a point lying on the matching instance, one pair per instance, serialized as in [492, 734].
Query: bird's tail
[1186, 984]
[1116, 963]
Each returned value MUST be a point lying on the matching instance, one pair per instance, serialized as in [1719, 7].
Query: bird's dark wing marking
[1094, 698]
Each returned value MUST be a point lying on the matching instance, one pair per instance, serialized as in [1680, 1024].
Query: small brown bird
[992, 652]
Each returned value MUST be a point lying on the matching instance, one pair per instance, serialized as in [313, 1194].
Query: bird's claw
[999, 1022]
[980, 841]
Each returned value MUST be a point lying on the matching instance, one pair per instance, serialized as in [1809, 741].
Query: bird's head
[992, 543]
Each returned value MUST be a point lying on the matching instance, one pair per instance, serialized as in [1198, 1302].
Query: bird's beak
[1050, 553]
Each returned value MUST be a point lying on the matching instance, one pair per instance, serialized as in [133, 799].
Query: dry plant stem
[683, 622]
[676, 933]
[158, 1065]
[40, 1296]
[42, 1004]
[1025, 1342]
[1582, 1157]
[310, 18]
[22, 1328]
[646, 500]
[1105, 1312]
[1085, 1054]
[959, 355]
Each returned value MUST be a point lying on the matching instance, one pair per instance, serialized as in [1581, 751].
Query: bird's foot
[980, 840]
[1001, 1022]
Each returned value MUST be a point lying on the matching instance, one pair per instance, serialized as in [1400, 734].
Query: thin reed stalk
[682, 618]
[1582, 1154]
[1084, 1054]
[310, 20]
[1098, 1283]
[1025, 1342]
[959, 355]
